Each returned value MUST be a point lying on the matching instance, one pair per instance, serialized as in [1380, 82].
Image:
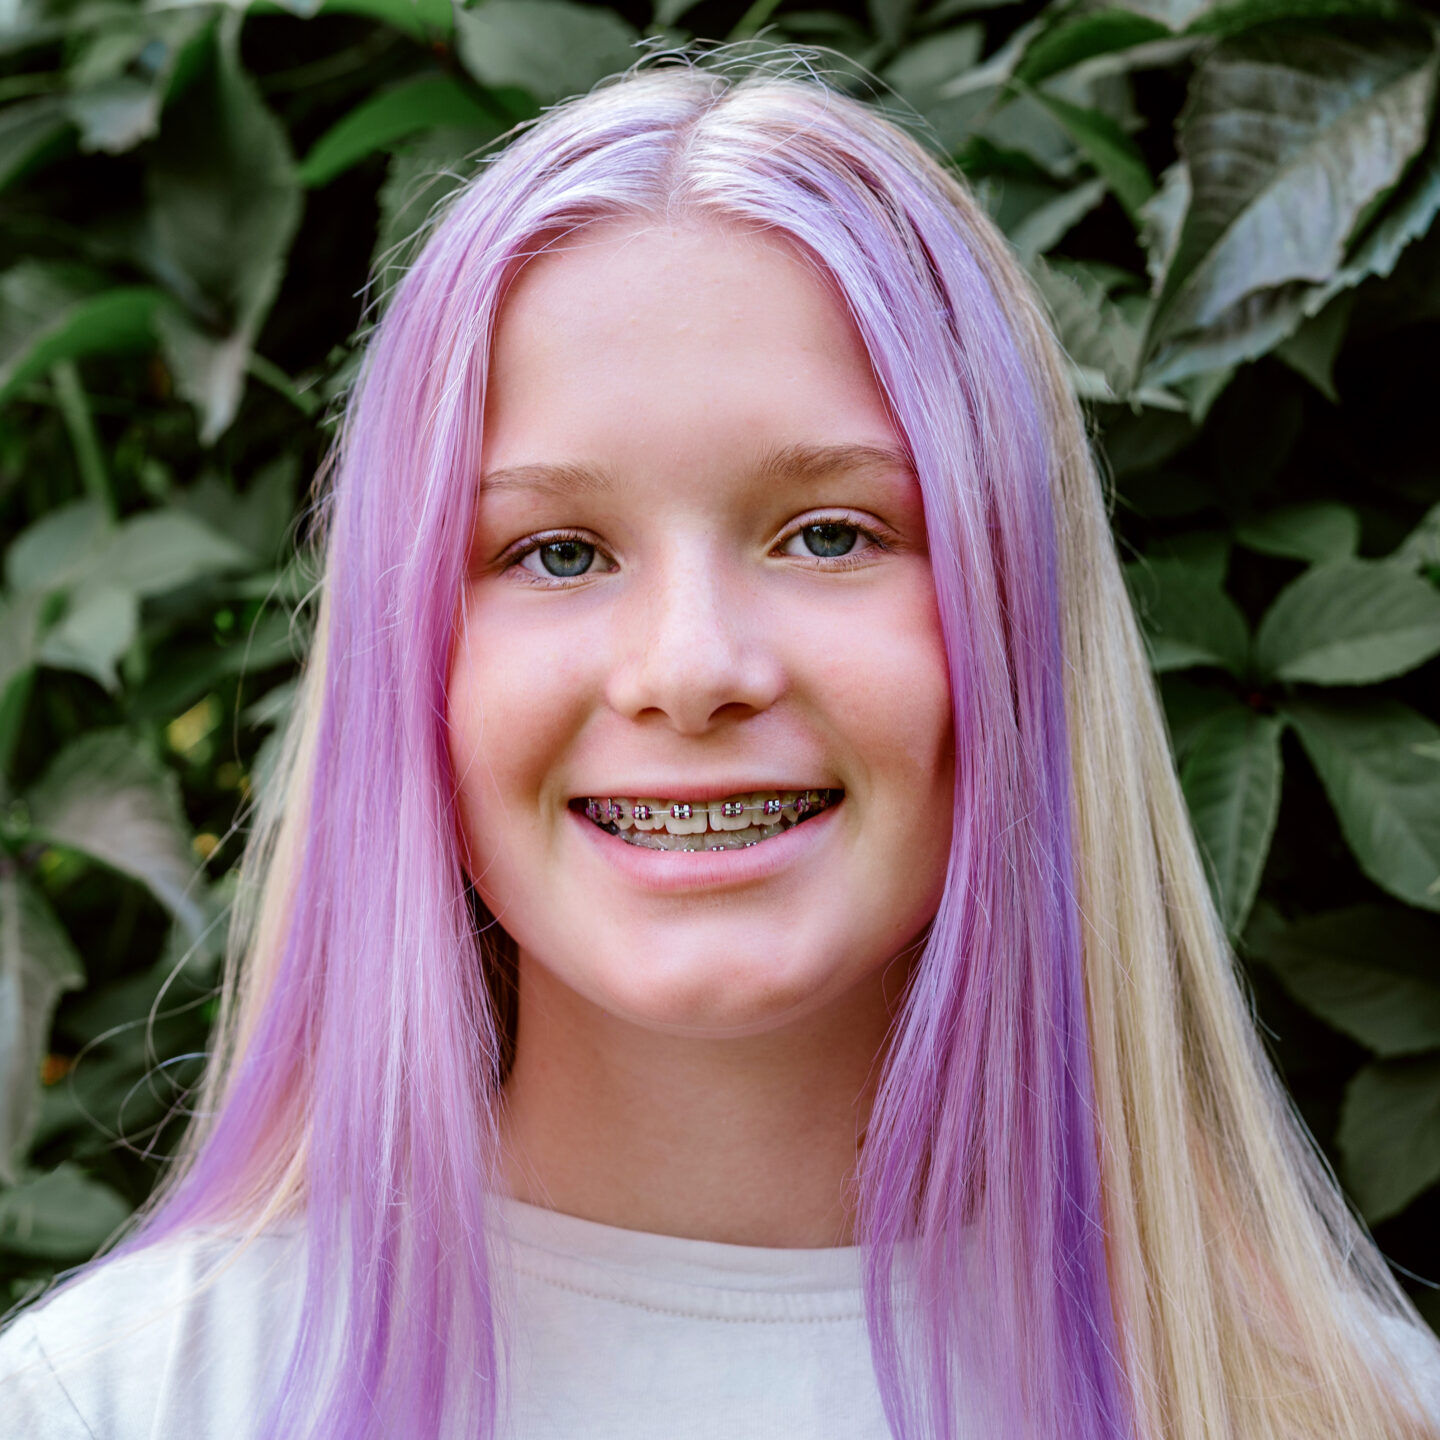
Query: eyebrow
[786, 464]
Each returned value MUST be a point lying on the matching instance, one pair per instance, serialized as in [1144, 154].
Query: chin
[682, 990]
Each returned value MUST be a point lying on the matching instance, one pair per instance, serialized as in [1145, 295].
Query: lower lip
[675, 871]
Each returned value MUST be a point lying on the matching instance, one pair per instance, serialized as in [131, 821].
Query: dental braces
[611, 812]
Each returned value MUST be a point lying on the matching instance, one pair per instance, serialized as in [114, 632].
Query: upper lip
[701, 794]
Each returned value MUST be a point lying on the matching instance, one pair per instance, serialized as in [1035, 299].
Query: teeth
[656, 817]
[724, 824]
[683, 819]
[721, 821]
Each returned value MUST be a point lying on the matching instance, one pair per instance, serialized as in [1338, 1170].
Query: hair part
[1075, 1118]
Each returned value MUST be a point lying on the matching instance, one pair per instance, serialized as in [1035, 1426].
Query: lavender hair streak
[367, 1081]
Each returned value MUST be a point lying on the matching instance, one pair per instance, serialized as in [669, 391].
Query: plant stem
[75, 410]
[269, 373]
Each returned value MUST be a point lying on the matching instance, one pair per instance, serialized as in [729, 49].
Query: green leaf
[50, 313]
[109, 798]
[1389, 1135]
[1230, 17]
[47, 553]
[37, 963]
[1315, 530]
[63, 1216]
[224, 207]
[149, 554]
[419, 104]
[1312, 349]
[1115, 156]
[1421, 547]
[1042, 227]
[1191, 706]
[1231, 779]
[31, 133]
[550, 48]
[209, 370]
[420, 178]
[920, 70]
[1162, 218]
[1349, 622]
[1405, 216]
[1081, 38]
[20, 617]
[260, 518]
[1204, 552]
[1386, 792]
[1174, 14]
[425, 21]
[890, 19]
[162, 550]
[122, 70]
[1289, 136]
[1101, 335]
[98, 628]
[1187, 620]
[1372, 972]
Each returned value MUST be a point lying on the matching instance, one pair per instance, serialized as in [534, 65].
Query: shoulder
[1414, 1355]
[185, 1336]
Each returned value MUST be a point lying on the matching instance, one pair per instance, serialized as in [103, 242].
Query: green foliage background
[1229, 209]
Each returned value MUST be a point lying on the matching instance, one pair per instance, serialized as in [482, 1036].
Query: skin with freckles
[699, 569]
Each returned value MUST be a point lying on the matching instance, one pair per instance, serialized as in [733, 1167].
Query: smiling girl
[727, 956]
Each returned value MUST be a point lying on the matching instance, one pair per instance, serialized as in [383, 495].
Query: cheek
[512, 704]
[887, 676]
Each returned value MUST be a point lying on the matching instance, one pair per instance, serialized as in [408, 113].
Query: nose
[693, 645]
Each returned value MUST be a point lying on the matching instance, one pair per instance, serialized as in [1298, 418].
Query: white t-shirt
[613, 1335]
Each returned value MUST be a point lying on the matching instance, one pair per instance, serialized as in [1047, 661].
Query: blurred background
[1229, 209]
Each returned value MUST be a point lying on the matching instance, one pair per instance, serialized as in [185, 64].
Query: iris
[830, 540]
[567, 558]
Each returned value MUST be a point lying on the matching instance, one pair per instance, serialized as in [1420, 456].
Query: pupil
[567, 557]
[829, 540]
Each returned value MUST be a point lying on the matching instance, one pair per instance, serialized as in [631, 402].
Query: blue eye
[565, 559]
[830, 540]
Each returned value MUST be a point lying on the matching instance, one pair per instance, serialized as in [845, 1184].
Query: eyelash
[878, 538]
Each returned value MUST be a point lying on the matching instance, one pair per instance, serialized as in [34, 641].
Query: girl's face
[698, 584]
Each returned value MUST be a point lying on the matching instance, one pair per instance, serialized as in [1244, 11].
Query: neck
[748, 1141]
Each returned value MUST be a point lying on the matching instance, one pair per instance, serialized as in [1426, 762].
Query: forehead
[666, 338]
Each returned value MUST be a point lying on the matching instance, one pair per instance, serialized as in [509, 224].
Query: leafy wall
[1228, 208]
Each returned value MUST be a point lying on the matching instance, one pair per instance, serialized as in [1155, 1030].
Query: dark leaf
[98, 628]
[423, 103]
[109, 798]
[1389, 1134]
[1115, 156]
[224, 206]
[1231, 779]
[50, 313]
[1290, 134]
[1385, 789]
[1187, 620]
[37, 963]
[549, 48]
[1349, 622]
[1314, 530]
[1082, 37]
[64, 1216]
[1311, 351]
[31, 133]
[1372, 971]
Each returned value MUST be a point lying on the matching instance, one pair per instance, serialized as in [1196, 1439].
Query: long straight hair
[1076, 1131]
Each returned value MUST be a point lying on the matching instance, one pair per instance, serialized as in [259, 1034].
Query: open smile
[735, 822]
